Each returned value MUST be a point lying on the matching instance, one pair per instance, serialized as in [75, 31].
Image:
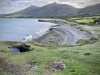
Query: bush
[88, 41]
[81, 42]
[82, 23]
[97, 21]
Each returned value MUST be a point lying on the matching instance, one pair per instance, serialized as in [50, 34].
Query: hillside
[55, 9]
[93, 9]
[50, 9]
[79, 60]
[28, 10]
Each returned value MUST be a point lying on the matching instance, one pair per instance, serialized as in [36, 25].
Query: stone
[57, 66]
[21, 48]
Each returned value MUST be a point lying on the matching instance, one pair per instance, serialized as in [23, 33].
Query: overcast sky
[9, 6]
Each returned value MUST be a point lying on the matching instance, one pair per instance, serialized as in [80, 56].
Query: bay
[16, 29]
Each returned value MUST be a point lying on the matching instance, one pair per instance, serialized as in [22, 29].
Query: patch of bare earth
[52, 37]
[15, 69]
[93, 29]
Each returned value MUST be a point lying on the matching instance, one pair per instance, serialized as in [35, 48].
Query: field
[84, 20]
[79, 60]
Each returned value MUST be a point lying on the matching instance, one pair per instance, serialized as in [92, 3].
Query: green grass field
[79, 60]
[84, 21]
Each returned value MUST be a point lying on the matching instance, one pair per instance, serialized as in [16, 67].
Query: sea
[16, 29]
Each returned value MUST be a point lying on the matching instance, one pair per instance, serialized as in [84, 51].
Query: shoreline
[63, 33]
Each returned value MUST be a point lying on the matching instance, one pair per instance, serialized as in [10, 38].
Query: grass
[80, 60]
[84, 21]
[87, 41]
[81, 20]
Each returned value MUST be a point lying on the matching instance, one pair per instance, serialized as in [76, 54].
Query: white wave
[28, 38]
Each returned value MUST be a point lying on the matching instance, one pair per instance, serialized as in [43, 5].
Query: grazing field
[84, 20]
[79, 60]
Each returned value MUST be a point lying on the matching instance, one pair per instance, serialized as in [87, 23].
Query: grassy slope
[81, 20]
[85, 21]
[80, 60]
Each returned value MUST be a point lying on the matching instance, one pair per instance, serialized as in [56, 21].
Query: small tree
[97, 21]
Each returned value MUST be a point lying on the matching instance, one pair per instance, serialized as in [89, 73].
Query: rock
[58, 66]
[23, 48]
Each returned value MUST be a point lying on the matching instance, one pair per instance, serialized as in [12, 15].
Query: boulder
[23, 48]
[57, 66]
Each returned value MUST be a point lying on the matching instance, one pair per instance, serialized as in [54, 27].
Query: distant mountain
[50, 9]
[93, 9]
[55, 9]
[28, 10]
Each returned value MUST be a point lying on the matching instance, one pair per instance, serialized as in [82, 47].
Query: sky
[10, 6]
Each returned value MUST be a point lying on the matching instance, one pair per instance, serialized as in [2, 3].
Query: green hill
[79, 60]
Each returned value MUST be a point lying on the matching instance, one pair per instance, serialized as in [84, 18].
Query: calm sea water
[17, 29]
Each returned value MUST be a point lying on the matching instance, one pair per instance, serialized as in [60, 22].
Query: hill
[28, 10]
[55, 10]
[79, 60]
[50, 9]
[93, 9]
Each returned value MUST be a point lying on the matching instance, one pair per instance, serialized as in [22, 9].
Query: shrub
[87, 41]
[82, 23]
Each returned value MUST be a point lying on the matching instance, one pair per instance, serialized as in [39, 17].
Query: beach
[63, 33]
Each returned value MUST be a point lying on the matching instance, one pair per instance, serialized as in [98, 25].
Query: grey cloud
[4, 3]
[7, 6]
[81, 3]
